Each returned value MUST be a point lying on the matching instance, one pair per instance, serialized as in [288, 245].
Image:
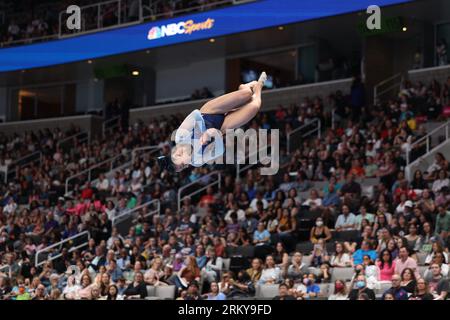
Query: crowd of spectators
[24, 20]
[338, 221]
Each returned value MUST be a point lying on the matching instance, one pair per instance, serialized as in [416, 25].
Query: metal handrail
[180, 190]
[105, 127]
[376, 88]
[36, 258]
[16, 164]
[126, 213]
[410, 164]
[74, 136]
[318, 129]
[136, 150]
[239, 170]
[89, 170]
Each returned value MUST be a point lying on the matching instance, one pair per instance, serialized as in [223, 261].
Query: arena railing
[109, 163]
[240, 170]
[387, 86]
[300, 134]
[197, 191]
[110, 124]
[112, 165]
[129, 213]
[73, 245]
[13, 168]
[81, 137]
[425, 145]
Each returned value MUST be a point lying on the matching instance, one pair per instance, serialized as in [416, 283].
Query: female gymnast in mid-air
[229, 111]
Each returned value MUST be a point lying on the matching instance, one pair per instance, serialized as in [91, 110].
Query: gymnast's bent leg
[247, 112]
[229, 101]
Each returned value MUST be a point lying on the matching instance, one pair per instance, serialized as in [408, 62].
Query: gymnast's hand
[206, 136]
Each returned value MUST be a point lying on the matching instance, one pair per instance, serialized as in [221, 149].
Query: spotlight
[89, 62]
[135, 73]
[281, 28]
[212, 40]
[404, 29]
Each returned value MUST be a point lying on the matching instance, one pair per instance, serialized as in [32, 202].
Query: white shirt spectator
[10, 207]
[269, 274]
[342, 221]
[240, 215]
[254, 201]
[103, 185]
[439, 184]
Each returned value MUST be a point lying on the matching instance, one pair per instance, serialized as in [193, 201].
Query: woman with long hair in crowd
[408, 280]
[340, 291]
[421, 291]
[386, 266]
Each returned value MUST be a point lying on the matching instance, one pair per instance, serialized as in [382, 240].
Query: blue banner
[209, 24]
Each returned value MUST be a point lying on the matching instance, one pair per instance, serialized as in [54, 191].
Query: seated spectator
[240, 288]
[331, 198]
[340, 258]
[324, 274]
[365, 250]
[287, 225]
[363, 215]
[213, 267]
[442, 223]
[439, 286]
[312, 289]
[405, 261]
[346, 220]
[396, 290]
[319, 254]
[441, 181]
[421, 291]
[296, 268]
[408, 281]
[386, 266]
[192, 292]
[436, 247]
[340, 291]
[254, 272]
[314, 201]
[319, 231]
[270, 274]
[136, 289]
[360, 288]
[261, 240]
[214, 294]
[388, 296]
[351, 187]
[438, 258]
[283, 293]
[154, 273]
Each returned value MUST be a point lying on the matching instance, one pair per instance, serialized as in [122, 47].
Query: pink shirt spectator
[386, 273]
[409, 263]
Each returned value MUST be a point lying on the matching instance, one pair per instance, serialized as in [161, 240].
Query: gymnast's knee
[246, 93]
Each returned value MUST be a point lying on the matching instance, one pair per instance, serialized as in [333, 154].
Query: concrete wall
[424, 162]
[171, 83]
[87, 123]
[270, 99]
[428, 74]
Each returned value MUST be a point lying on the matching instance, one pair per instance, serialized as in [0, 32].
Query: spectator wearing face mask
[319, 231]
[340, 291]
[360, 287]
